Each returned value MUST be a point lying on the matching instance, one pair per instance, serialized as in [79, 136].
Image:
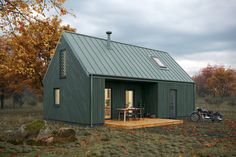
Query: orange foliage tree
[31, 52]
[28, 41]
[4, 61]
[216, 81]
[15, 14]
[201, 80]
[221, 83]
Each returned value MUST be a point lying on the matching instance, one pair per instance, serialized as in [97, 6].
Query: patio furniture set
[128, 113]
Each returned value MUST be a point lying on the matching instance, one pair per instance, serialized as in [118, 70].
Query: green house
[89, 78]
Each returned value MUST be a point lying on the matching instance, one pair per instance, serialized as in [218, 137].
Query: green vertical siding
[98, 98]
[150, 98]
[185, 98]
[74, 88]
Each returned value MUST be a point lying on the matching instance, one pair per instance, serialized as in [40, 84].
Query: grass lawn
[189, 139]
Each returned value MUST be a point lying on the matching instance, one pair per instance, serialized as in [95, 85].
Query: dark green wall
[75, 90]
[185, 98]
[150, 98]
[98, 99]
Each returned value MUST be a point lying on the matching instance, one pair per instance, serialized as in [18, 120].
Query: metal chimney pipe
[108, 39]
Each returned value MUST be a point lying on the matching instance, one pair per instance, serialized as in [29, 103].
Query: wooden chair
[120, 115]
[140, 113]
[131, 114]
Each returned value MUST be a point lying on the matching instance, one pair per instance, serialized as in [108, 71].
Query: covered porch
[141, 123]
[124, 97]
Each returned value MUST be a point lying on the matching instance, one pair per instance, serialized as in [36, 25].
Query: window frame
[108, 88]
[163, 66]
[54, 96]
[133, 105]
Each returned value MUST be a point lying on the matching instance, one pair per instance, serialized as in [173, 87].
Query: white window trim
[57, 96]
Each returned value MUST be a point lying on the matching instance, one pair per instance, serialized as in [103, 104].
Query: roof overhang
[134, 79]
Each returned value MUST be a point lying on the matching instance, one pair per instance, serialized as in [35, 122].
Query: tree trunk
[2, 99]
[41, 80]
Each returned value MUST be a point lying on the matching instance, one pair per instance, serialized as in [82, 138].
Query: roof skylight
[158, 61]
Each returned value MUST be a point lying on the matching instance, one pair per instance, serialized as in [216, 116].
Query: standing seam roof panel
[82, 58]
[175, 72]
[80, 53]
[113, 70]
[124, 60]
[142, 59]
[131, 59]
[95, 53]
[146, 59]
[184, 73]
[161, 56]
[140, 63]
[112, 60]
[104, 57]
[169, 67]
[87, 51]
[159, 71]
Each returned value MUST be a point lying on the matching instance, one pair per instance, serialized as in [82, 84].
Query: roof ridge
[115, 41]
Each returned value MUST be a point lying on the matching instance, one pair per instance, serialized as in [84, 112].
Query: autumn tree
[32, 49]
[216, 81]
[3, 69]
[15, 14]
[221, 83]
[233, 92]
[201, 80]
[28, 41]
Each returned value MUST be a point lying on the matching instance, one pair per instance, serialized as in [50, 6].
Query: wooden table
[126, 110]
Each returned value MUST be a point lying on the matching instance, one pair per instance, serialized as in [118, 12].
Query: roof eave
[137, 79]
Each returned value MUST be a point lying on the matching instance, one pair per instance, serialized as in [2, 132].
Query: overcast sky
[194, 32]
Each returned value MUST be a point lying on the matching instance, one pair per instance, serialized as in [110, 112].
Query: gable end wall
[75, 92]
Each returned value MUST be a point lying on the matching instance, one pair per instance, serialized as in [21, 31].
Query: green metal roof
[123, 60]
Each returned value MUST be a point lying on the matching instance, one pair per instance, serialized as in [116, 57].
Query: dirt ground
[189, 139]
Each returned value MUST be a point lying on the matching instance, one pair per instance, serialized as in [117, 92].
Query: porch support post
[91, 100]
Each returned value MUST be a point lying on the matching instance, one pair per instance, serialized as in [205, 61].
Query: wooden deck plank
[142, 123]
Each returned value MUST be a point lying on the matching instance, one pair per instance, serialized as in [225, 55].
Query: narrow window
[107, 103]
[63, 64]
[159, 62]
[57, 96]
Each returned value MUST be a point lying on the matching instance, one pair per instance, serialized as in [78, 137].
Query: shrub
[231, 101]
[221, 100]
[32, 101]
[34, 126]
[214, 100]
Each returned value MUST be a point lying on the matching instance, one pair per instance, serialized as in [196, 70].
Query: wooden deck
[142, 123]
